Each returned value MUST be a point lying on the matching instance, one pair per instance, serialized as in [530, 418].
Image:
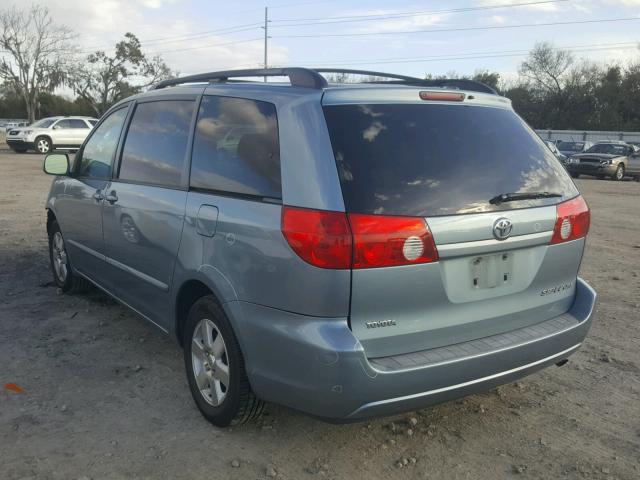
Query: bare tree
[35, 53]
[548, 68]
[103, 79]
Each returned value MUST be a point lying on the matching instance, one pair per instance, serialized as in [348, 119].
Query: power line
[205, 46]
[387, 16]
[330, 20]
[459, 29]
[481, 54]
[222, 31]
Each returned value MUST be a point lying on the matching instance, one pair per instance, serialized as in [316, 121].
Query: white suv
[65, 133]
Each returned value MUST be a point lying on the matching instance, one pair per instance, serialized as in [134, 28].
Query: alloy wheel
[43, 145]
[210, 362]
[59, 256]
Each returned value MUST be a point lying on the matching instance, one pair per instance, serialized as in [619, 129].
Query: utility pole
[266, 36]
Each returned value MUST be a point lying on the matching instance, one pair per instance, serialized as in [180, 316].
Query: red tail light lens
[381, 241]
[340, 240]
[572, 221]
[320, 238]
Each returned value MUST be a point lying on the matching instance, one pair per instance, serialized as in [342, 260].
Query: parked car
[12, 125]
[614, 159]
[568, 148]
[555, 151]
[360, 250]
[43, 136]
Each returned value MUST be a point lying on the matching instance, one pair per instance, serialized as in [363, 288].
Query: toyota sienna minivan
[347, 250]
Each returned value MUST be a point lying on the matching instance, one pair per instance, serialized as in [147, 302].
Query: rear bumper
[317, 366]
[19, 144]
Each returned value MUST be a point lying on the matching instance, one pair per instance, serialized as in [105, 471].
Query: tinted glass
[571, 146]
[156, 144]
[62, 124]
[77, 123]
[235, 148]
[97, 155]
[93, 122]
[431, 159]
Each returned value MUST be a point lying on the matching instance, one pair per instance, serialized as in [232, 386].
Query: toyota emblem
[502, 228]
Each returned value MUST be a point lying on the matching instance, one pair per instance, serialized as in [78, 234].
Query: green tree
[102, 79]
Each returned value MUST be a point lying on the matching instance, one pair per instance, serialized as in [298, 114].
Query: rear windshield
[571, 146]
[427, 160]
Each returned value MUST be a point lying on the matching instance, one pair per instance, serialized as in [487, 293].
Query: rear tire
[618, 176]
[215, 367]
[63, 275]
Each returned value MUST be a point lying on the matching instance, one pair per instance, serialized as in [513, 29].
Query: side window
[62, 124]
[77, 123]
[156, 144]
[97, 155]
[235, 148]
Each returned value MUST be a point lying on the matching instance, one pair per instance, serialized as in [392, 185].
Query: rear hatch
[448, 162]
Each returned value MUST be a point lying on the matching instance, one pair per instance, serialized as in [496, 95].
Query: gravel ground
[105, 396]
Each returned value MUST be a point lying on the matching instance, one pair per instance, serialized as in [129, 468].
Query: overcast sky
[460, 35]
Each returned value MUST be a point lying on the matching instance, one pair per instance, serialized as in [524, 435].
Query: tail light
[318, 237]
[572, 220]
[339, 240]
[381, 241]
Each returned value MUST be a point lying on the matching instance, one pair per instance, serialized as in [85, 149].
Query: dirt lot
[105, 394]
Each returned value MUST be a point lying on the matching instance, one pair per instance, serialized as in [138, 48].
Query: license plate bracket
[491, 271]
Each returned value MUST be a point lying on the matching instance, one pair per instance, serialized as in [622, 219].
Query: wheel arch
[190, 291]
[45, 135]
[51, 217]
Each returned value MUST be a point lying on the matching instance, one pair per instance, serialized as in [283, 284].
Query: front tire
[619, 173]
[63, 275]
[215, 367]
[43, 145]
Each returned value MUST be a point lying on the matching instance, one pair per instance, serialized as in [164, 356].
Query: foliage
[554, 90]
[102, 79]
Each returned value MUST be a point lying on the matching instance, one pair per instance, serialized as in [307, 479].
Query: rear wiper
[511, 197]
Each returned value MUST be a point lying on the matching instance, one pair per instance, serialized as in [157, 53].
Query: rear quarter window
[428, 159]
[236, 148]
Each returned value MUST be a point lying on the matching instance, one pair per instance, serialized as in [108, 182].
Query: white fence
[589, 135]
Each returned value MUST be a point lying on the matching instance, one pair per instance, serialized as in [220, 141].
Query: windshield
[427, 159]
[609, 149]
[44, 123]
[570, 146]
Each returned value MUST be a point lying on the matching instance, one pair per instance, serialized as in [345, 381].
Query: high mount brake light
[340, 241]
[572, 221]
[442, 96]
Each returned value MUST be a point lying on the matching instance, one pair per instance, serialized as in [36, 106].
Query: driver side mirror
[56, 164]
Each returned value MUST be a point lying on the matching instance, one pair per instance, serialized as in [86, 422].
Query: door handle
[112, 197]
[98, 196]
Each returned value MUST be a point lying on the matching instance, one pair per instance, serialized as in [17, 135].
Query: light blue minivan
[347, 250]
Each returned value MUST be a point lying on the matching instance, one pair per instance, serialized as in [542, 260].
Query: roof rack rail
[299, 77]
[420, 82]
